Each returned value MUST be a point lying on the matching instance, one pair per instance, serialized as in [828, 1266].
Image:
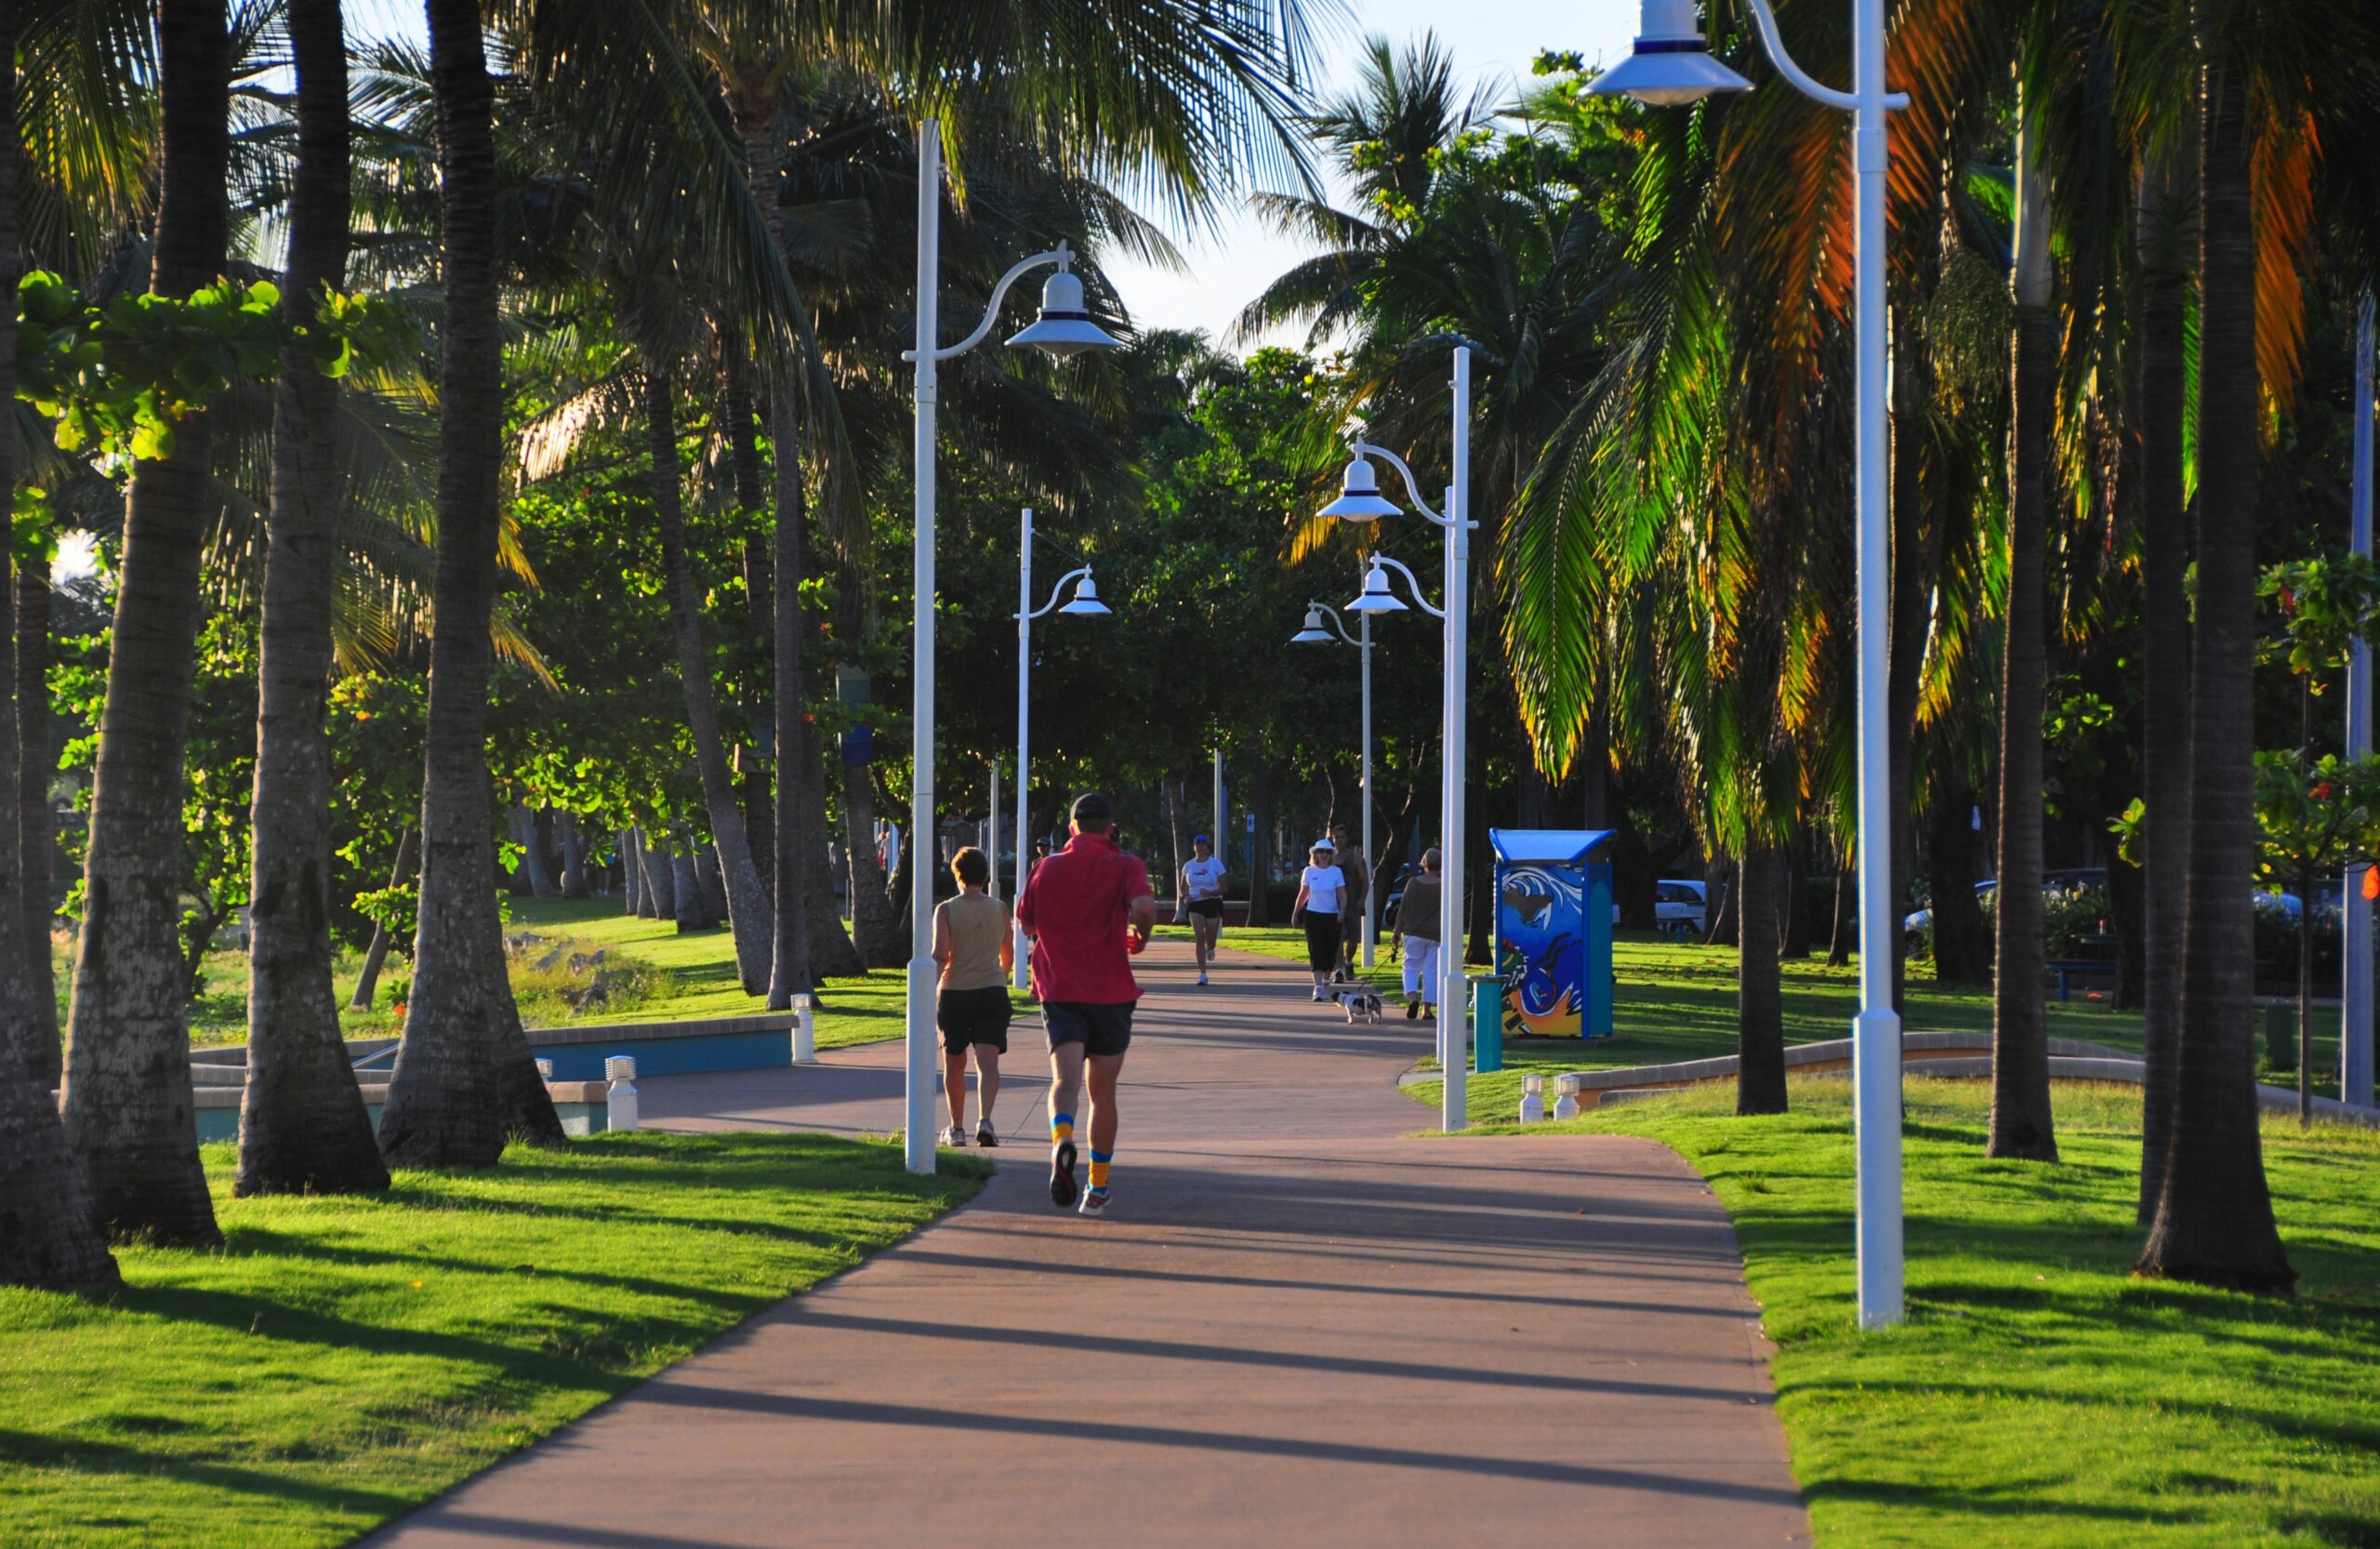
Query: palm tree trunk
[36, 827]
[128, 1096]
[1904, 626]
[2021, 1124]
[2214, 1222]
[377, 954]
[443, 1108]
[303, 1129]
[660, 878]
[2164, 652]
[49, 1237]
[1760, 1015]
[631, 847]
[832, 955]
[1962, 946]
[573, 854]
[747, 908]
[792, 970]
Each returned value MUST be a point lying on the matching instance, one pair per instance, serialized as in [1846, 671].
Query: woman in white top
[1202, 888]
[1320, 889]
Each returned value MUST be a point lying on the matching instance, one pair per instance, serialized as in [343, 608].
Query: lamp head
[1377, 597]
[1086, 602]
[1065, 327]
[1359, 498]
[1314, 633]
[1670, 66]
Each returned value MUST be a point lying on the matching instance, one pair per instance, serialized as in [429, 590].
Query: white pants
[1422, 971]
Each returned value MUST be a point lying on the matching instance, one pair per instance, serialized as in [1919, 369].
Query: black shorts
[1099, 1029]
[968, 1016]
[1208, 908]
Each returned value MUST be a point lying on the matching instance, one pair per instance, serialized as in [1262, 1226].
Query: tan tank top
[976, 924]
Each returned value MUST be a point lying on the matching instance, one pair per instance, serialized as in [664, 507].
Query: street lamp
[1671, 66]
[1064, 329]
[1085, 604]
[1314, 635]
[1360, 500]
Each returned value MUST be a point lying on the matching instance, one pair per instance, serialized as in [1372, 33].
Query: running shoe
[1412, 1010]
[1062, 1175]
[954, 1135]
[987, 1136]
[1202, 977]
[1318, 997]
[1095, 1201]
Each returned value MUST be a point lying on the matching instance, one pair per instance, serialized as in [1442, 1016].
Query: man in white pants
[1418, 913]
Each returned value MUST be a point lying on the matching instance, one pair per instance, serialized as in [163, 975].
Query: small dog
[1360, 1005]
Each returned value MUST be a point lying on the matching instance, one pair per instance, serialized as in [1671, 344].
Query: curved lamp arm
[1766, 21]
[1412, 582]
[1338, 624]
[1061, 255]
[1366, 449]
[1064, 581]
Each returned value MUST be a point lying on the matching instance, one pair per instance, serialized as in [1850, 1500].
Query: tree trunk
[36, 827]
[574, 855]
[1840, 945]
[2164, 650]
[1760, 1014]
[713, 884]
[367, 981]
[876, 926]
[1795, 907]
[443, 1097]
[831, 952]
[685, 882]
[1720, 884]
[748, 907]
[1962, 939]
[1904, 626]
[631, 846]
[127, 1095]
[524, 1107]
[303, 1128]
[1260, 872]
[794, 962]
[533, 874]
[2214, 1222]
[660, 876]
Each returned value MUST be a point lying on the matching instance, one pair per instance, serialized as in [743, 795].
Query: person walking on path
[1417, 913]
[1320, 889]
[1087, 910]
[1202, 884]
[1356, 867]
[971, 941]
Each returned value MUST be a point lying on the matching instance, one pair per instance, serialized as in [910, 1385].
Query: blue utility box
[1554, 931]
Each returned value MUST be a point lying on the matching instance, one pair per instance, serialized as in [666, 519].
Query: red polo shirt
[1079, 905]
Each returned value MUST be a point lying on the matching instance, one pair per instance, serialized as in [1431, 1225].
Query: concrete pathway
[1293, 1327]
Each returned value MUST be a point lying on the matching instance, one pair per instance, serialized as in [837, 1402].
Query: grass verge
[341, 1360]
[2038, 1396]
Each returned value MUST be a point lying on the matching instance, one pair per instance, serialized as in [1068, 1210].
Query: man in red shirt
[1076, 910]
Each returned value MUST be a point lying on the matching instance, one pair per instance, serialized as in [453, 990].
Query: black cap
[1092, 811]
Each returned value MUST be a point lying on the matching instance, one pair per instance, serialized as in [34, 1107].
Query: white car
[1681, 909]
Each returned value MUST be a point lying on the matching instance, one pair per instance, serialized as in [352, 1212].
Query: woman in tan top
[971, 941]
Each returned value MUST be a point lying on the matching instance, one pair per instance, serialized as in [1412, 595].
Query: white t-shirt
[1323, 886]
[1206, 878]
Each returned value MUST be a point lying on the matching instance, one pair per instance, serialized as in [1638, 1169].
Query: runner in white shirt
[1202, 884]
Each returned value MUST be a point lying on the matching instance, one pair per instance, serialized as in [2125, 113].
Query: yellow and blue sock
[1061, 1128]
[1099, 1161]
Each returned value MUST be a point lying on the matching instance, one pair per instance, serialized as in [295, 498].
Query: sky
[1492, 41]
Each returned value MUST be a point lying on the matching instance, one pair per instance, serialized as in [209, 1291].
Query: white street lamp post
[1064, 329]
[2354, 998]
[1314, 634]
[1670, 66]
[1086, 604]
[1359, 500]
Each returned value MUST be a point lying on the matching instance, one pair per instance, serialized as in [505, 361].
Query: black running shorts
[1210, 908]
[968, 1016]
[1101, 1029]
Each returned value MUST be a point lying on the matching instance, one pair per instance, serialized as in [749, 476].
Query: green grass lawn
[343, 1359]
[2038, 1396]
[668, 977]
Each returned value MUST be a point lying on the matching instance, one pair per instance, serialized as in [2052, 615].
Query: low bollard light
[620, 1112]
[545, 1071]
[1565, 1102]
[805, 1031]
[1532, 1098]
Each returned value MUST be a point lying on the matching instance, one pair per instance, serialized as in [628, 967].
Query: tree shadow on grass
[81, 1454]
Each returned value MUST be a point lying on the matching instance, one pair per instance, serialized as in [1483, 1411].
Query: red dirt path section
[1292, 1327]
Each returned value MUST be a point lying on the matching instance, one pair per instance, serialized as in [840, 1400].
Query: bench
[2066, 971]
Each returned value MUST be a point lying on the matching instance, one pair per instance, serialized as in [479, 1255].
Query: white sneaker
[954, 1135]
[1318, 997]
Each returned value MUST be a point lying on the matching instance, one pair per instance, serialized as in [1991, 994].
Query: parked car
[1681, 908]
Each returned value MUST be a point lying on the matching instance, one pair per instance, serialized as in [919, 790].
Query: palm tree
[303, 1128]
[460, 1026]
[2020, 1124]
[126, 1096]
[2214, 1221]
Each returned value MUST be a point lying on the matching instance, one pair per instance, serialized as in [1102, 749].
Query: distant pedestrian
[1322, 888]
[971, 941]
[1087, 909]
[1418, 913]
[1202, 884]
[1356, 867]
